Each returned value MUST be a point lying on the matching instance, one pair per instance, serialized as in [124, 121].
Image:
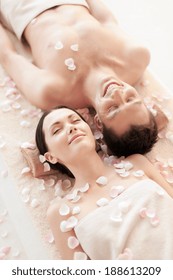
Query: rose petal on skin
[124, 174]
[102, 181]
[119, 165]
[63, 226]
[74, 47]
[85, 188]
[69, 62]
[72, 67]
[80, 256]
[71, 222]
[102, 202]
[64, 210]
[76, 210]
[42, 158]
[72, 242]
[59, 45]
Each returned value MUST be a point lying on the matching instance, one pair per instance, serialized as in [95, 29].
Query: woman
[112, 212]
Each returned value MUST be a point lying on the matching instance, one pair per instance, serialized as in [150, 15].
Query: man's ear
[50, 158]
[98, 122]
[160, 118]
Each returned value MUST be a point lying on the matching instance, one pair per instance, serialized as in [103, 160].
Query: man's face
[119, 106]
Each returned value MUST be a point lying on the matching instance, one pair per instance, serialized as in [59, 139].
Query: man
[81, 59]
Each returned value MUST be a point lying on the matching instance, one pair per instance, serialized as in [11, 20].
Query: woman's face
[67, 136]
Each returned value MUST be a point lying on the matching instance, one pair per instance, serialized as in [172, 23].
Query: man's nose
[119, 95]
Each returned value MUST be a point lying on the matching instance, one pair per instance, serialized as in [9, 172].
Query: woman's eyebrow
[58, 122]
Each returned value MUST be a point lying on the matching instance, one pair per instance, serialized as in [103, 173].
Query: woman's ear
[98, 122]
[50, 158]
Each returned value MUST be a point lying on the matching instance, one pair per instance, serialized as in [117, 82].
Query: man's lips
[75, 136]
[111, 86]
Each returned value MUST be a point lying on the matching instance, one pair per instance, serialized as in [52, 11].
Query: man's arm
[100, 11]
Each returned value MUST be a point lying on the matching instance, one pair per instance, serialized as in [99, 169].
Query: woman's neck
[88, 169]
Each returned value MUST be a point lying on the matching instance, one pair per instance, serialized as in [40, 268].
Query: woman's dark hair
[139, 139]
[41, 143]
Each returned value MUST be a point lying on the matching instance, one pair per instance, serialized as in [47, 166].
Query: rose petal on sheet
[28, 145]
[35, 203]
[16, 253]
[5, 250]
[170, 162]
[124, 206]
[49, 237]
[46, 167]
[80, 256]
[16, 105]
[138, 173]
[150, 213]
[2, 143]
[72, 242]
[4, 173]
[142, 212]
[25, 170]
[66, 184]
[4, 234]
[102, 181]
[126, 255]
[2, 256]
[114, 192]
[49, 182]
[4, 213]
[25, 124]
[154, 221]
[64, 210]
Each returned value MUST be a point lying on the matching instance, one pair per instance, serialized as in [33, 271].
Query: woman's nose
[70, 129]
